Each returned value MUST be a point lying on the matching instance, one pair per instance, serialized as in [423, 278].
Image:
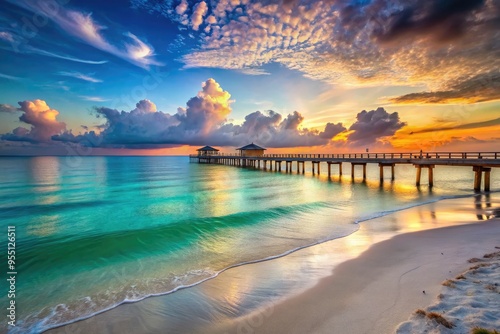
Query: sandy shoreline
[358, 297]
[469, 301]
[381, 288]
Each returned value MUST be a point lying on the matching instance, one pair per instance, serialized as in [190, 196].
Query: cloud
[7, 36]
[19, 44]
[94, 98]
[202, 121]
[30, 49]
[480, 88]
[145, 106]
[254, 71]
[43, 121]
[442, 20]
[200, 10]
[7, 108]
[182, 7]
[81, 76]
[83, 27]
[373, 125]
[10, 77]
[211, 20]
[271, 130]
[466, 144]
[349, 43]
[331, 130]
[474, 125]
[206, 111]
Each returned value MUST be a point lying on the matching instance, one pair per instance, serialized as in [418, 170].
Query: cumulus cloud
[272, 130]
[145, 125]
[43, 121]
[373, 125]
[145, 106]
[331, 130]
[202, 121]
[480, 88]
[207, 110]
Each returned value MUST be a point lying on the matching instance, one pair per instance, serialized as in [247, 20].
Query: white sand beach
[470, 300]
[376, 291]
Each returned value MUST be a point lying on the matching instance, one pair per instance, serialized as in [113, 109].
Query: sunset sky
[166, 77]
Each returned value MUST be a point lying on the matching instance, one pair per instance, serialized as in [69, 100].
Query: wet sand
[381, 288]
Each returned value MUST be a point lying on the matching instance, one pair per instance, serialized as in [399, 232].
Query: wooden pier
[481, 162]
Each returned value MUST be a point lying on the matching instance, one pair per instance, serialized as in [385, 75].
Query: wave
[64, 314]
[14, 210]
[58, 311]
[107, 250]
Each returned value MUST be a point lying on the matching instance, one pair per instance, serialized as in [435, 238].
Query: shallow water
[107, 230]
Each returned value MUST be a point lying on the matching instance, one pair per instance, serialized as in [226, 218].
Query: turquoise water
[101, 231]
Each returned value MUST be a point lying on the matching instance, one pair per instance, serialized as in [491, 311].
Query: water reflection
[45, 181]
[43, 226]
[44, 174]
[484, 207]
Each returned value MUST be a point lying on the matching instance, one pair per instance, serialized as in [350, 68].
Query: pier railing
[482, 162]
[405, 155]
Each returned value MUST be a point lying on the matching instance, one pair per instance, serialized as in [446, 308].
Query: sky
[153, 77]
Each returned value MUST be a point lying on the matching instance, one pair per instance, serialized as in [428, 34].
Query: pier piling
[481, 162]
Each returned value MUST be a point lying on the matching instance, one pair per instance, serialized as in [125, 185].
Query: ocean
[96, 232]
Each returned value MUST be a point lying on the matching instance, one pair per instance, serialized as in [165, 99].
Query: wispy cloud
[59, 56]
[7, 108]
[480, 88]
[10, 77]
[7, 36]
[19, 44]
[474, 125]
[81, 76]
[254, 71]
[59, 85]
[83, 27]
[94, 98]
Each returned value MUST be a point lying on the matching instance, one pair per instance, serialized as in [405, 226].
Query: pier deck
[481, 162]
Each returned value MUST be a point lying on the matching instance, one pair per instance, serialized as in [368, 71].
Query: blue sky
[410, 65]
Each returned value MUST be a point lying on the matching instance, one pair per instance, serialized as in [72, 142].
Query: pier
[479, 162]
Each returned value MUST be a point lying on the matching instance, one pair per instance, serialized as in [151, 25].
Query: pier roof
[251, 146]
[208, 149]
